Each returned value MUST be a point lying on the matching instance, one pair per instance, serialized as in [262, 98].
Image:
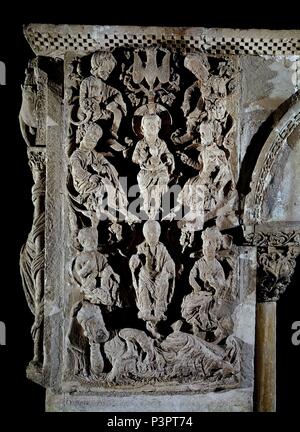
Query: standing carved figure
[156, 163]
[153, 275]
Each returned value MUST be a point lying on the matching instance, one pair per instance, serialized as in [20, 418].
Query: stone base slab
[237, 400]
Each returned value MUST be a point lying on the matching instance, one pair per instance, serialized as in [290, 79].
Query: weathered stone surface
[238, 400]
[150, 150]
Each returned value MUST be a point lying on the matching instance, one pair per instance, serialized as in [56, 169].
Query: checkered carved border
[49, 42]
[55, 43]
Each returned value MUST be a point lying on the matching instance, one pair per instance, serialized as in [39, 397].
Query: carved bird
[151, 71]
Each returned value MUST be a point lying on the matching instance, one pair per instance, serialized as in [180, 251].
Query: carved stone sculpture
[86, 336]
[93, 177]
[32, 253]
[28, 115]
[153, 275]
[135, 356]
[97, 99]
[276, 267]
[156, 163]
[90, 269]
[32, 256]
[212, 192]
[141, 264]
[211, 287]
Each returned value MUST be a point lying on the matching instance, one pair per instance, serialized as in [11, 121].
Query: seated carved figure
[207, 277]
[94, 177]
[153, 275]
[156, 163]
[99, 285]
[206, 194]
[206, 97]
[98, 100]
[90, 269]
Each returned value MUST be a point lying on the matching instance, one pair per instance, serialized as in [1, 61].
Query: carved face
[150, 127]
[151, 232]
[210, 246]
[88, 239]
[91, 137]
[102, 65]
[91, 320]
[219, 109]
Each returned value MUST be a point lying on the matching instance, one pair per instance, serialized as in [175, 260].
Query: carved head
[102, 64]
[91, 320]
[88, 238]
[198, 65]
[150, 125]
[216, 108]
[211, 238]
[151, 231]
[91, 136]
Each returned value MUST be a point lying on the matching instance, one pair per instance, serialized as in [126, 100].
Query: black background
[16, 208]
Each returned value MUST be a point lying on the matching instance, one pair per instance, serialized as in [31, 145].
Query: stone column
[36, 157]
[33, 125]
[275, 268]
[265, 360]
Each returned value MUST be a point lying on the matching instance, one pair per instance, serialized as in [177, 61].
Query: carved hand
[95, 179]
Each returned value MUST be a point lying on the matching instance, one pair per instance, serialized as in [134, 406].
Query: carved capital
[275, 269]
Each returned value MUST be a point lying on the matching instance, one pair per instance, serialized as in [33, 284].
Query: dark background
[16, 212]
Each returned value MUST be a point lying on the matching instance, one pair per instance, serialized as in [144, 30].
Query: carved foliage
[276, 267]
[278, 238]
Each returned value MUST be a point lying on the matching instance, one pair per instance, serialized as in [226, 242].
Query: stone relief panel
[153, 282]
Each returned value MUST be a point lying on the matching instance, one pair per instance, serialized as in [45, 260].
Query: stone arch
[268, 163]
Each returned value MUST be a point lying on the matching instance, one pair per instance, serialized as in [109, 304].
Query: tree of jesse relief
[157, 287]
